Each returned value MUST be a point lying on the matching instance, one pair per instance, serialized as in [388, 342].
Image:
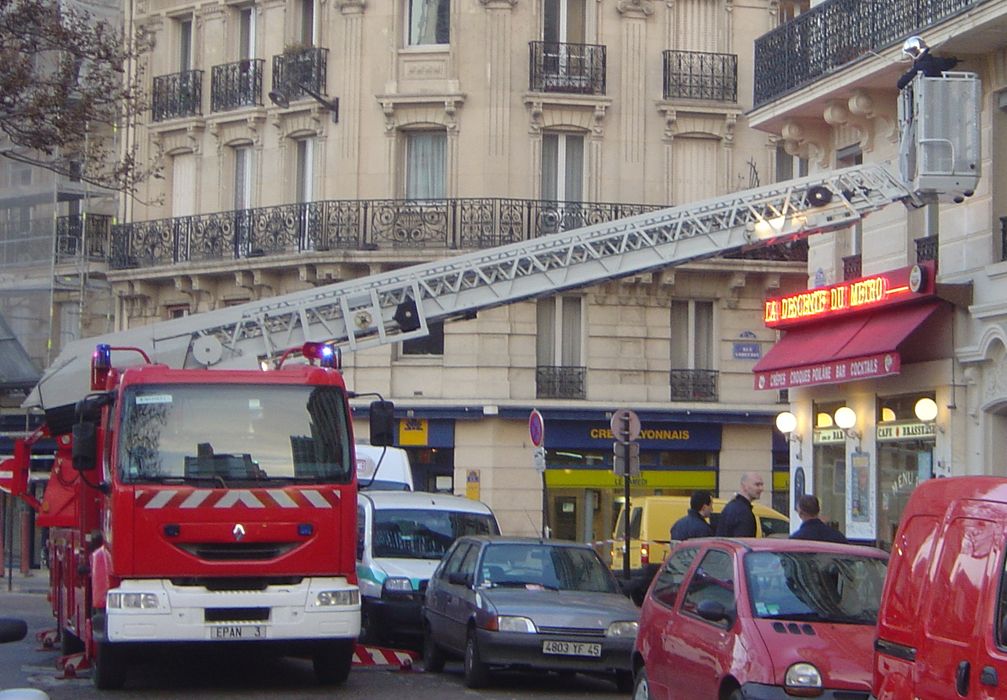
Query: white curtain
[429, 22]
[426, 165]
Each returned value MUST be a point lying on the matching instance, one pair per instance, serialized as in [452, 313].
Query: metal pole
[625, 485]
[545, 510]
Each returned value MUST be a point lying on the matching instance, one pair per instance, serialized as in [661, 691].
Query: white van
[401, 537]
[383, 468]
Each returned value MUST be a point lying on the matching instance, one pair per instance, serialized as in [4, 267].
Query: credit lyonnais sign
[891, 287]
[832, 372]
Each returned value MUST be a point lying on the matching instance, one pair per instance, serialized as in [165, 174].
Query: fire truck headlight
[132, 601]
[326, 599]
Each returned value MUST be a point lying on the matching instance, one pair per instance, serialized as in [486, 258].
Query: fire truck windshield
[220, 435]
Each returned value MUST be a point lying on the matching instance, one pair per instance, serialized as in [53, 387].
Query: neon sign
[884, 289]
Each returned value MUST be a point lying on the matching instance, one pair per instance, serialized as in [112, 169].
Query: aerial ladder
[939, 160]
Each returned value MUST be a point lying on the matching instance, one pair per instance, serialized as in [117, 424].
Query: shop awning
[843, 350]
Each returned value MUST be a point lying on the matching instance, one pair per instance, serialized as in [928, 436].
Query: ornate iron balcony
[296, 69]
[560, 382]
[362, 224]
[695, 75]
[853, 266]
[238, 84]
[82, 235]
[926, 248]
[694, 385]
[177, 95]
[836, 32]
[569, 68]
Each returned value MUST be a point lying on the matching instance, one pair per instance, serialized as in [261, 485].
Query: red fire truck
[189, 506]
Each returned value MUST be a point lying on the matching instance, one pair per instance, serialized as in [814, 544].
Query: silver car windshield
[534, 566]
[234, 434]
[815, 586]
[406, 533]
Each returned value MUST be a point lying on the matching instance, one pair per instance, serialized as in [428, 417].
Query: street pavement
[36, 581]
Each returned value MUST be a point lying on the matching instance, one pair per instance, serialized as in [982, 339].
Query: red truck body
[201, 507]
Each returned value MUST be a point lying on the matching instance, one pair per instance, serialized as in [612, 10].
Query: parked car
[526, 603]
[401, 538]
[731, 619]
[942, 629]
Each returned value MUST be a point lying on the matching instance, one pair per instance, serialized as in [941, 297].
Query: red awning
[843, 350]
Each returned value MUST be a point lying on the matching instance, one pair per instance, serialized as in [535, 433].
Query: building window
[845, 158]
[246, 33]
[177, 311]
[184, 44]
[562, 167]
[429, 22]
[564, 21]
[304, 170]
[426, 164]
[559, 331]
[308, 31]
[692, 335]
[789, 167]
[431, 344]
[19, 174]
[242, 177]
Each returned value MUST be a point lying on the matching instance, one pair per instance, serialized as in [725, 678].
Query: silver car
[526, 603]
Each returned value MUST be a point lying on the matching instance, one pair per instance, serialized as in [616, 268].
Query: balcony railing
[694, 385]
[926, 248]
[177, 95]
[234, 85]
[447, 224]
[82, 235]
[567, 68]
[298, 69]
[560, 382]
[853, 267]
[836, 32]
[700, 76]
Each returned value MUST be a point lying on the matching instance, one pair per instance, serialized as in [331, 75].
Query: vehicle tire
[736, 694]
[641, 687]
[332, 662]
[108, 666]
[476, 673]
[433, 655]
[368, 633]
[624, 681]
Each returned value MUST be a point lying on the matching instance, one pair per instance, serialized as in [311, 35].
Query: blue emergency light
[101, 365]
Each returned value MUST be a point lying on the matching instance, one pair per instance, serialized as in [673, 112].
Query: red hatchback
[734, 619]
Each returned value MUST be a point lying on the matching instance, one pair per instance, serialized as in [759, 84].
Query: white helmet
[914, 47]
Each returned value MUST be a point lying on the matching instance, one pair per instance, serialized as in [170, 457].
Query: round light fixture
[823, 420]
[786, 422]
[846, 417]
[926, 409]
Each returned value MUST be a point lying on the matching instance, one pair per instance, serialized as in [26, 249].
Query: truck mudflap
[157, 610]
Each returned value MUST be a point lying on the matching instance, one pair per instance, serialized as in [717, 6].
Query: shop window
[829, 447]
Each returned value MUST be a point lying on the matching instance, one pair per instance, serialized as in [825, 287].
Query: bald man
[737, 518]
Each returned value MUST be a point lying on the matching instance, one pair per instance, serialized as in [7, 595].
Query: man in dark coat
[694, 523]
[737, 518]
[812, 527]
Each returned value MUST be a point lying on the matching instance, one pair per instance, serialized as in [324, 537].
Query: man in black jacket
[812, 527]
[737, 518]
[694, 523]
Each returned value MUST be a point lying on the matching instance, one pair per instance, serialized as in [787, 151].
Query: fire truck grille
[230, 585]
[236, 615]
[237, 551]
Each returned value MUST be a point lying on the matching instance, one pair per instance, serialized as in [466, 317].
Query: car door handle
[989, 676]
[962, 678]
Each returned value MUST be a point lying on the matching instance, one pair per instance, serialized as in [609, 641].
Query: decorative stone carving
[863, 104]
[636, 9]
[836, 113]
[351, 7]
[806, 141]
[498, 4]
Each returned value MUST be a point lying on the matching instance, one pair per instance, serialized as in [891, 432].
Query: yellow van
[651, 520]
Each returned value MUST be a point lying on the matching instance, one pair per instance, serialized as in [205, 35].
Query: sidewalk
[37, 581]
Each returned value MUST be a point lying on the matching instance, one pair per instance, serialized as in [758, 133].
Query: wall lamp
[846, 418]
[926, 409]
[279, 98]
[786, 423]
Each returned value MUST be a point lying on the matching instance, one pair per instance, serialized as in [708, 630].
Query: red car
[760, 619]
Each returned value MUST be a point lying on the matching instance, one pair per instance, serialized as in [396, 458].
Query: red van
[942, 627]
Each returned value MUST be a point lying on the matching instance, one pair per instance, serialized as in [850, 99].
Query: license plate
[571, 648]
[226, 632]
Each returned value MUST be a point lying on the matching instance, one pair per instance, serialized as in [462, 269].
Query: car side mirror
[381, 420]
[458, 578]
[712, 610]
[85, 442]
